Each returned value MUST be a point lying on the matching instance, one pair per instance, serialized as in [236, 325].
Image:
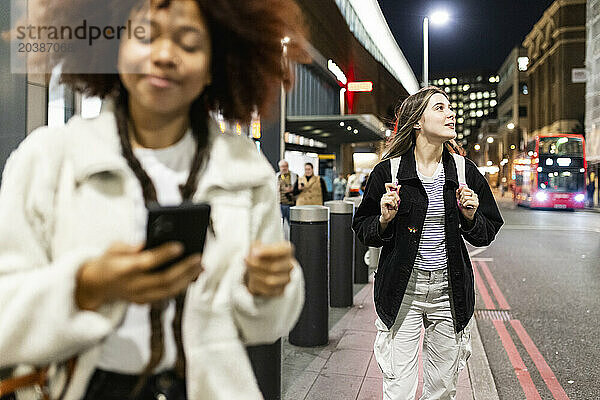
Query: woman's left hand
[468, 202]
[268, 268]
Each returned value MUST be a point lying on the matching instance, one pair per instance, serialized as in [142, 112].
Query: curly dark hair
[246, 35]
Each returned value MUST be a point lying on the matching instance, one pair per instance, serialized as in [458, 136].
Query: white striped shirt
[432, 255]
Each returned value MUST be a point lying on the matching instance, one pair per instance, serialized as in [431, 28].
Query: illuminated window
[493, 93]
[453, 97]
[523, 63]
[486, 112]
[479, 113]
[440, 82]
[473, 96]
[454, 105]
[454, 81]
[493, 103]
[460, 112]
[467, 132]
[479, 95]
[447, 81]
[466, 87]
[486, 103]
[460, 136]
[473, 105]
[479, 104]
[486, 95]
[460, 120]
[447, 89]
[473, 113]
[460, 104]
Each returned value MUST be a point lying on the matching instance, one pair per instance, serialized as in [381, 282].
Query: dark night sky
[480, 34]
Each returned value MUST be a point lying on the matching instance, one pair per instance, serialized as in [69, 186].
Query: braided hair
[199, 124]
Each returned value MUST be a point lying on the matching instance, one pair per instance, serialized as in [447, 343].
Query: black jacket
[400, 240]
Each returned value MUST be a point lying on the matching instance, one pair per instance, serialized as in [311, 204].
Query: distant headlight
[580, 197]
[541, 196]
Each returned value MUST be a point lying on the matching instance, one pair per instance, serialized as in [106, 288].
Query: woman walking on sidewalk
[75, 277]
[419, 204]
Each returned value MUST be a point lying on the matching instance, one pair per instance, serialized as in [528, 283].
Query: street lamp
[437, 18]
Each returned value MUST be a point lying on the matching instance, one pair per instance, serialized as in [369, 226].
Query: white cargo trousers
[426, 303]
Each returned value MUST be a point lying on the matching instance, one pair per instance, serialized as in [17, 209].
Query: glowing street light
[477, 147]
[440, 17]
[437, 18]
[511, 126]
[490, 139]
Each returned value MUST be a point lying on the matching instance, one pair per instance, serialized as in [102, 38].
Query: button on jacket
[401, 238]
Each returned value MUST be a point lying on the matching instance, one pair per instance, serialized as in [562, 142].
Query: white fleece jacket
[67, 194]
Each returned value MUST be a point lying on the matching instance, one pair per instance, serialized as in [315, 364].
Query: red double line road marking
[539, 361]
[515, 358]
[517, 362]
[487, 300]
[502, 303]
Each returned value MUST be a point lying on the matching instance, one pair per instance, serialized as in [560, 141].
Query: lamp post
[437, 18]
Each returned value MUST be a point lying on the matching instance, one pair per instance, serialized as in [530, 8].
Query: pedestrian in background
[310, 188]
[363, 184]
[424, 277]
[339, 187]
[591, 189]
[286, 181]
[75, 277]
[353, 185]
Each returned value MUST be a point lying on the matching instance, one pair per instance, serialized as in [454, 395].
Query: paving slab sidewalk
[345, 369]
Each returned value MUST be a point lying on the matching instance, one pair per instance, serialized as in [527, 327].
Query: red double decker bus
[551, 173]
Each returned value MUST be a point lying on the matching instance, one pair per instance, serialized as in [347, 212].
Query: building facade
[592, 107]
[513, 113]
[473, 96]
[318, 117]
[556, 51]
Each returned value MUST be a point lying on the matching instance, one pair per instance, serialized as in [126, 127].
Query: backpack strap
[394, 165]
[460, 168]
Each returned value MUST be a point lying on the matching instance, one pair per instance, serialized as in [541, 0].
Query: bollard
[266, 364]
[361, 269]
[309, 232]
[341, 253]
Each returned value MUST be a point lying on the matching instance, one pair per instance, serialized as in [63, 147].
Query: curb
[480, 374]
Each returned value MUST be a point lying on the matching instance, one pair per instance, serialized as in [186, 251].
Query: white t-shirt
[127, 350]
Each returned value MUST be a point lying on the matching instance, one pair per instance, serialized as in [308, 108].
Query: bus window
[561, 181]
[561, 146]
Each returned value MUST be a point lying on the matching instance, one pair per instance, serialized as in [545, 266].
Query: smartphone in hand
[186, 223]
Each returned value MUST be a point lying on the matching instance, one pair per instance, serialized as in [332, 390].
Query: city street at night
[537, 303]
[542, 274]
[300, 200]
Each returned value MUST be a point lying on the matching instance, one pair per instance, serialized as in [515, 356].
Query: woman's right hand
[389, 204]
[125, 272]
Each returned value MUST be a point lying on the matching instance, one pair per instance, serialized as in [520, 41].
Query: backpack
[458, 160]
